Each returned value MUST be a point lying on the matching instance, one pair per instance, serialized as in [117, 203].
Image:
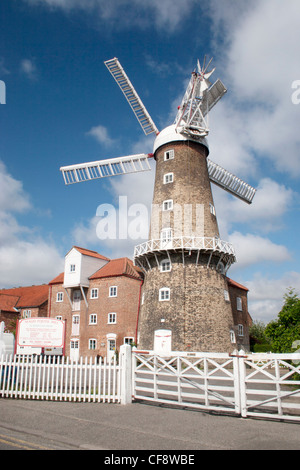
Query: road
[46, 425]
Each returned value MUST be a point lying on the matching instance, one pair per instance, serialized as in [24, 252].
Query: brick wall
[123, 323]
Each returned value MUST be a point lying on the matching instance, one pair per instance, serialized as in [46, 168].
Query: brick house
[99, 300]
[23, 302]
[238, 295]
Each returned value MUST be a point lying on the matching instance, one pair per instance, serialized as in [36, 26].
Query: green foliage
[259, 342]
[286, 329]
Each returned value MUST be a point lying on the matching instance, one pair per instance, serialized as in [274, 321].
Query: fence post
[126, 379]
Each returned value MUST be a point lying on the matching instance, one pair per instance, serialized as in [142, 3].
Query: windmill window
[165, 266]
[169, 155]
[168, 178]
[212, 209]
[113, 290]
[168, 205]
[164, 294]
[59, 297]
[240, 330]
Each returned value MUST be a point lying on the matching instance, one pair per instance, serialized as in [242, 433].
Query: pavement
[49, 425]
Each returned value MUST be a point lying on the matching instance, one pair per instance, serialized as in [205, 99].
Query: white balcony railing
[205, 244]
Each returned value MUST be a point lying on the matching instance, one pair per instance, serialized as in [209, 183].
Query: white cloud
[258, 67]
[266, 294]
[253, 249]
[100, 133]
[29, 69]
[25, 258]
[167, 14]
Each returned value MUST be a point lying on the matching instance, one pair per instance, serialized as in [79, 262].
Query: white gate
[266, 385]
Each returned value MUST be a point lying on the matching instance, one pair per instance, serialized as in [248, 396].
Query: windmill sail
[103, 168]
[230, 182]
[131, 95]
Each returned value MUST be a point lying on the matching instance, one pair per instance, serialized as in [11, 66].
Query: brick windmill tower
[184, 303]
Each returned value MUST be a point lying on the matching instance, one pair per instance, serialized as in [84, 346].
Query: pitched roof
[58, 279]
[91, 253]
[31, 296]
[118, 267]
[236, 284]
[8, 302]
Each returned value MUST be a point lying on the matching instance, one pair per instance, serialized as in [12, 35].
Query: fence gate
[263, 385]
[206, 381]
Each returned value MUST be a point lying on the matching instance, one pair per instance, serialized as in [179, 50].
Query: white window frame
[169, 155]
[26, 314]
[240, 329]
[92, 344]
[166, 235]
[165, 265]
[113, 291]
[58, 317]
[167, 205]
[232, 337]
[72, 268]
[112, 318]
[164, 294]
[93, 319]
[59, 297]
[212, 209]
[239, 304]
[168, 178]
[94, 293]
[226, 295]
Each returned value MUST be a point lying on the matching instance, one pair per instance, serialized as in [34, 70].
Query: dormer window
[72, 268]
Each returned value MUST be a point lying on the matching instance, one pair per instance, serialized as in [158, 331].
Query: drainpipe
[138, 314]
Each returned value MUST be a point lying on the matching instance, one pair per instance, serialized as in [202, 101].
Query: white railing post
[126, 379]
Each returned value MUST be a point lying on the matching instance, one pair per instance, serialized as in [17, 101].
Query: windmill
[184, 300]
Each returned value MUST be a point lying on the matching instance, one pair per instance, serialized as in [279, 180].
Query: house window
[92, 344]
[59, 296]
[94, 294]
[226, 295]
[72, 268]
[26, 313]
[239, 303]
[165, 266]
[167, 205]
[232, 336]
[112, 318]
[168, 178]
[241, 330]
[169, 155]
[113, 291]
[58, 317]
[164, 294]
[93, 319]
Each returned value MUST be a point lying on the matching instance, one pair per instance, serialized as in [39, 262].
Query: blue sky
[63, 107]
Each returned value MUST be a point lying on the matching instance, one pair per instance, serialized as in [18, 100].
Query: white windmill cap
[170, 134]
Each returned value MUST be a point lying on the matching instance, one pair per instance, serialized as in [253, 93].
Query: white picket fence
[48, 378]
[262, 385]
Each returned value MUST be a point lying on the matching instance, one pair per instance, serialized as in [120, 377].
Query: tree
[284, 331]
[259, 342]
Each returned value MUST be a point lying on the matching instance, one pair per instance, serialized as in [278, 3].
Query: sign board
[41, 333]
[163, 342]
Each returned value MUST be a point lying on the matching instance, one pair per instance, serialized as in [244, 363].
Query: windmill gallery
[185, 262]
